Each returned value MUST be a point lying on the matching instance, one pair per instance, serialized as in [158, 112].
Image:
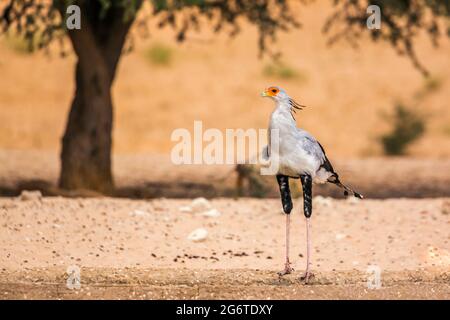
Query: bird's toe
[287, 270]
[307, 277]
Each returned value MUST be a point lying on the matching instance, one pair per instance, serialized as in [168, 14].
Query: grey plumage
[298, 155]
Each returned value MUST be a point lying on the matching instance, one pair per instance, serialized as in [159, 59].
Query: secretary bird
[300, 155]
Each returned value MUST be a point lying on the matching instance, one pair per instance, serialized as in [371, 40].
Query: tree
[402, 22]
[98, 45]
[105, 24]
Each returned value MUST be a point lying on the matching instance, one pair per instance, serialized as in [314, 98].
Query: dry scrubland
[218, 80]
[139, 248]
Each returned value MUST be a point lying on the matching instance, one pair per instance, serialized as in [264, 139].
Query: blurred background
[380, 119]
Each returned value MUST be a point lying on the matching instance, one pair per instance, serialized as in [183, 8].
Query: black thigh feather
[307, 194]
[283, 183]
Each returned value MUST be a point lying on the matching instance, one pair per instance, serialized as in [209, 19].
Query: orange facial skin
[272, 91]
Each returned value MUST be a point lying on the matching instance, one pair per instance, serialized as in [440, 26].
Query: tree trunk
[87, 142]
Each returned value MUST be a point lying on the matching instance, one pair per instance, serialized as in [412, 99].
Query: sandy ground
[132, 283]
[140, 249]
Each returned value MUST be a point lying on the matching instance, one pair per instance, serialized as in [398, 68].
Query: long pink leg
[288, 229]
[308, 274]
[287, 267]
[308, 244]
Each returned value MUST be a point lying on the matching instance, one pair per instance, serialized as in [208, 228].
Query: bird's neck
[283, 115]
[282, 121]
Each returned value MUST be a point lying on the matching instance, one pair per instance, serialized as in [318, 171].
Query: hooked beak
[264, 94]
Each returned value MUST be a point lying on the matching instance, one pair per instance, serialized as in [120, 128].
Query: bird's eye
[274, 90]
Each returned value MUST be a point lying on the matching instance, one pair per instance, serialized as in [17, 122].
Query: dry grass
[218, 80]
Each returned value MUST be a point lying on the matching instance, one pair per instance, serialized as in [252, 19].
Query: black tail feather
[335, 180]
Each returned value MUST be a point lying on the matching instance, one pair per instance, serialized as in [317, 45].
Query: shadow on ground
[154, 176]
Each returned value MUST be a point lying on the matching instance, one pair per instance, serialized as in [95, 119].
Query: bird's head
[275, 93]
[281, 97]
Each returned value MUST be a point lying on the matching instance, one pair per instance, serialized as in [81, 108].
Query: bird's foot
[307, 276]
[287, 269]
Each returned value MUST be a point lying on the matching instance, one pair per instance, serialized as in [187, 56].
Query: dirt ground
[133, 283]
[140, 249]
